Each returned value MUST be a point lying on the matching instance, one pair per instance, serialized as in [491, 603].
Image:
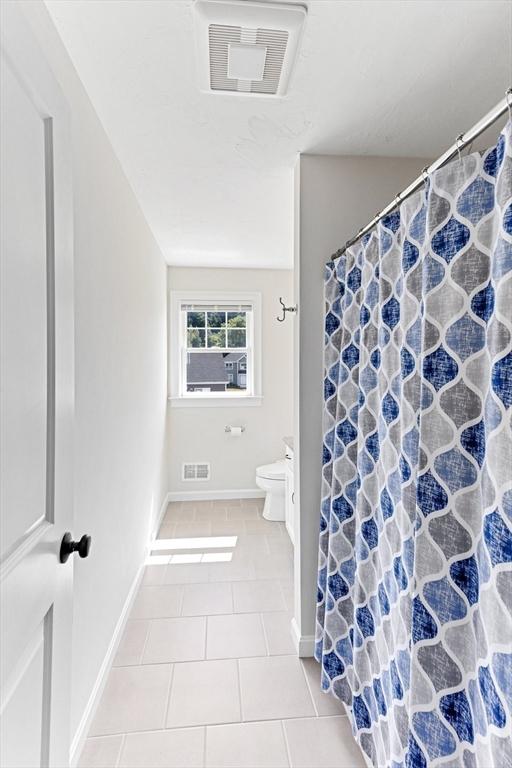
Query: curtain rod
[460, 143]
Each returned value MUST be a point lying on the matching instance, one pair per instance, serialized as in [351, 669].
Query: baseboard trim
[304, 644]
[245, 493]
[160, 516]
[81, 732]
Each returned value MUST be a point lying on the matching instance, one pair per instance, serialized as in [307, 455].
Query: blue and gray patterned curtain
[414, 618]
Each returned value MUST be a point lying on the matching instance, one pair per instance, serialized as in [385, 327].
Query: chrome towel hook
[285, 310]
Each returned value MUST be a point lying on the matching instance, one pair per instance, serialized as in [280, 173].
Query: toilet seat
[273, 471]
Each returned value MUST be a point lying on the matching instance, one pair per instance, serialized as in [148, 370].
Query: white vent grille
[220, 37]
[195, 471]
[247, 47]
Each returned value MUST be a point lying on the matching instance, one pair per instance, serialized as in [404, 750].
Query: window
[214, 348]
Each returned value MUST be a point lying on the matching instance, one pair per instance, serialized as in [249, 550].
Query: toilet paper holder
[227, 428]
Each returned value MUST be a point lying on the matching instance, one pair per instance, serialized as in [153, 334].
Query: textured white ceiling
[213, 173]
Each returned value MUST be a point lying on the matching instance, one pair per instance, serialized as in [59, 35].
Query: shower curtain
[414, 615]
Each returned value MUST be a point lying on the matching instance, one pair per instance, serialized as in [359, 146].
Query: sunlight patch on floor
[187, 559]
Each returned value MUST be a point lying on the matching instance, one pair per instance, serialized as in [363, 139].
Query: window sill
[215, 402]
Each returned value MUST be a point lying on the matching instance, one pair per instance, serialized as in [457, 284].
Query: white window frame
[178, 396]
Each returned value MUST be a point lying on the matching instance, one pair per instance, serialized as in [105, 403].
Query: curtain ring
[459, 141]
[425, 175]
[508, 96]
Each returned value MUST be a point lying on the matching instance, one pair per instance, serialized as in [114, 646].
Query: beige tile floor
[206, 675]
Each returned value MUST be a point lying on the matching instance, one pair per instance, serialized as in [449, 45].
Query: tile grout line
[141, 657]
[204, 744]
[120, 751]
[202, 658]
[207, 581]
[169, 693]
[239, 690]
[215, 725]
[267, 645]
[286, 745]
[205, 652]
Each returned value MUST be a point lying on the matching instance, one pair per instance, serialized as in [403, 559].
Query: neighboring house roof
[206, 368]
[234, 357]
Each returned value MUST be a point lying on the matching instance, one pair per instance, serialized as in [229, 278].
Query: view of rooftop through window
[217, 350]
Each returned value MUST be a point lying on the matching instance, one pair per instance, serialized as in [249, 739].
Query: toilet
[270, 478]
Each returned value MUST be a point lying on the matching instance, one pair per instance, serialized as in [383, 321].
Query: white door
[36, 382]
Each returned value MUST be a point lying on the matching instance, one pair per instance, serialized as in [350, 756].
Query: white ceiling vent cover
[199, 471]
[247, 47]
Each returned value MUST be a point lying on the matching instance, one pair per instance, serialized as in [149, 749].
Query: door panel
[23, 319]
[21, 734]
[36, 383]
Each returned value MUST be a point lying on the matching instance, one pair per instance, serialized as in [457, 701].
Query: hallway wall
[120, 337]
[198, 433]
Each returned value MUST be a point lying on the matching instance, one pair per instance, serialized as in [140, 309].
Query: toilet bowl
[270, 478]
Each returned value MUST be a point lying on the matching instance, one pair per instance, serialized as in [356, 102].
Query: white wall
[197, 434]
[334, 197]
[120, 338]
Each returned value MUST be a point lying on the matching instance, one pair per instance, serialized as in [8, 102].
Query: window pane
[206, 372]
[216, 319]
[216, 337]
[195, 337]
[236, 337]
[195, 319]
[236, 319]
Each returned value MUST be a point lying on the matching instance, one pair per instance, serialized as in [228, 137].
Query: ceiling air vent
[247, 47]
[195, 471]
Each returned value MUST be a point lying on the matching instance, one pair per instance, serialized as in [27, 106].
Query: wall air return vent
[200, 471]
[247, 47]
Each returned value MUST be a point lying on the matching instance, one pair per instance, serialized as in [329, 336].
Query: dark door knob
[68, 546]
